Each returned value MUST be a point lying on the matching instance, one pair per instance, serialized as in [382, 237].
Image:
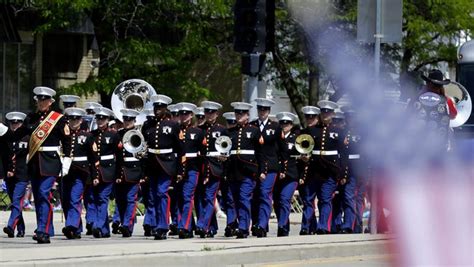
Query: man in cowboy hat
[433, 108]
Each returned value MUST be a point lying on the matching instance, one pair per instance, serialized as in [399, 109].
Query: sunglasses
[261, 108]
[309, 116]
[16, 121]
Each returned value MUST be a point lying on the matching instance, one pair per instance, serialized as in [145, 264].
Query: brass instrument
[223, 145]
[133, 94]
[304, 144]
[462, 100]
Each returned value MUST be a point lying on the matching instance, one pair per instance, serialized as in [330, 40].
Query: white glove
[66, 161]
[3, 129]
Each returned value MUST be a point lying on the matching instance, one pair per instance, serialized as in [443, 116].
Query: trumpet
[223, 145]
[304, 144]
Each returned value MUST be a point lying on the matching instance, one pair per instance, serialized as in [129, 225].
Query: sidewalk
[219, 251]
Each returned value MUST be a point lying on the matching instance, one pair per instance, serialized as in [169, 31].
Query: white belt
[160, 151]
[242, 152]
[128, 159]
[107, 157]
[325, 152]
[213, 154]
[79, 159]
[354, 156]
[49, 148]
[191, 155]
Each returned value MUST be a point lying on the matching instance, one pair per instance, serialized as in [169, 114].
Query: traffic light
[254, 25]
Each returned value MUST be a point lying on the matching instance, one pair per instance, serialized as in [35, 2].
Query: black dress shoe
[200, 232]
[184, 234]
[115, 228]
[69, 232]
[261, 232]
[345, 231]
[282, 232]
[228, 232]
[9, 231]
[254, 230]
[20, 234]
[322, 232]
[210, 234]
[161, 234]
[89, 229]
[173, 230]
[77, 236]
[42, 238]
[304, 232]
[96, 233]
[147, 230]
[125, 231]
[241, 233]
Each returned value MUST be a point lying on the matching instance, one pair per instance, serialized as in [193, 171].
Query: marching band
[178, 157]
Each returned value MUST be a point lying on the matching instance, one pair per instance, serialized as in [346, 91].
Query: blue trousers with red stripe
[324, 192]
[175, 199]
[73, 191]
[91, 212]
[349, 203]
[265, 200]
[360, 192]
[244, 190]
[187, 204]
[159, 184]
[16, 191]
[42, 186]
[282, 195]
[147, 197]
[308, 195]
[102, 193]
[228, 200]
[126, 198]
[208, 204]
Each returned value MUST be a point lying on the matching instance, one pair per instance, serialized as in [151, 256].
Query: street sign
[391, 21]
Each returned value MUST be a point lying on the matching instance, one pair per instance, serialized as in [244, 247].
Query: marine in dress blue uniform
[163, 142]
[246, 164]
[108, 148]
[287, 180]
[228, 198]
[16, 177]
[130, 175]
[273, 150]
[190, 164]
[89, 124]
[326, 156]
[308, 186]
[83, 168]
[212, 170]
[49, 134]
[175, 191]
[149, 220]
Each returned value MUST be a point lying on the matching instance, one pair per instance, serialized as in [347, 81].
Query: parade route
[218, 251]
